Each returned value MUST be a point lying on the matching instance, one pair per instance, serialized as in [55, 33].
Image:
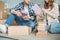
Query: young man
[16, 14]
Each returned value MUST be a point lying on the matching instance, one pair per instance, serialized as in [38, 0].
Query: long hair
[49, 4]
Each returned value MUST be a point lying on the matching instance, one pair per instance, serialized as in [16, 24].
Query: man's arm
[15, 8]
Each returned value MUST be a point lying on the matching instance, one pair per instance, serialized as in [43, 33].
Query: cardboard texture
[6, 13]
[2, 21]
[41, 29]
[19, 30]
[1, 6]
[40, 18]
[14, 23]
[4, 16]
[41, 26]
[1, 9]
[41, 34]
[1, 14]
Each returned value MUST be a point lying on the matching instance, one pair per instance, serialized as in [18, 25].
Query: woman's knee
[55, 27]
[47, 27]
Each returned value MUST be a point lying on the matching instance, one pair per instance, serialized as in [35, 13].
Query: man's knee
[12, 15]
[32, 24]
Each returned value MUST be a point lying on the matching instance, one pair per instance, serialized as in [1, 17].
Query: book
[37, 9]
[24, 13]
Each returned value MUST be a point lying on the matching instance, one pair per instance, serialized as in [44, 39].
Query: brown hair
[49, 4]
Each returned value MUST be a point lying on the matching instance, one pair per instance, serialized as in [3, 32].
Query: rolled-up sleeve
[15, 8]
[54, 12]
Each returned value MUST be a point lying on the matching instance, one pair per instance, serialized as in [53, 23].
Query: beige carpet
[31, 37]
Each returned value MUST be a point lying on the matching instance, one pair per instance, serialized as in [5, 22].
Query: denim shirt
[20, 6]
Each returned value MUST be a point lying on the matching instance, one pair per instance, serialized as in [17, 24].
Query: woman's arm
[54, 13]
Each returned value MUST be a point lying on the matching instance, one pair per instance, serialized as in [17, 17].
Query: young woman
[51, 11]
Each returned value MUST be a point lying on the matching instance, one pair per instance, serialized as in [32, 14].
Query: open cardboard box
[41, 26]
[1, 9]
[41, 34]
[19, 30]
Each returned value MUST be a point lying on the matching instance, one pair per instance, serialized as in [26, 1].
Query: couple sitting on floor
[50, 11]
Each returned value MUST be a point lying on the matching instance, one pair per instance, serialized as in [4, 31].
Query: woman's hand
[43, 9]
[47, 11]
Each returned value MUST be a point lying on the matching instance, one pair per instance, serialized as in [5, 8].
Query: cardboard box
[4, 16]
[6, 13]
[40, 18]
[1, 14]
[19, 30]
[1, 6]
[1, 9]
[14, 23]
[2, 21]
[41, 26]
[41, 34]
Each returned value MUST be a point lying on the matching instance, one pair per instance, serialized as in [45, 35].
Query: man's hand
[27, 17]
[18, 13]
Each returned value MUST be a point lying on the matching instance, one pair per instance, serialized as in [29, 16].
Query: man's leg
[19, 20]
[33, 25]
[26, 23]
[10, 20]
[3, 28]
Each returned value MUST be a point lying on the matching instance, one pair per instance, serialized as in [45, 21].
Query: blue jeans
[20, 21]
[54, 28]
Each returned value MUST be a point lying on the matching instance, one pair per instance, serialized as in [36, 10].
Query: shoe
[34, 30]
[3, 28]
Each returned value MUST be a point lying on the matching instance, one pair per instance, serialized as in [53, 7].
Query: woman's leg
[55, 27]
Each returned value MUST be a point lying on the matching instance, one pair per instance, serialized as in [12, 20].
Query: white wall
[12, 3]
